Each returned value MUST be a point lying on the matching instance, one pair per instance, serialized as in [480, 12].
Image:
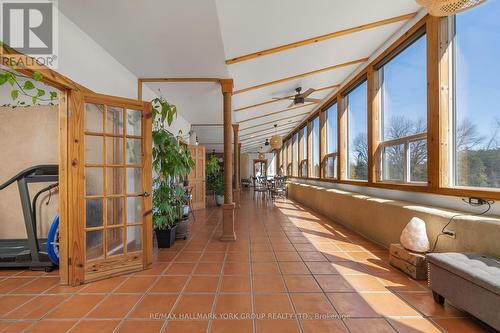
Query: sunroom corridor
[290, 270]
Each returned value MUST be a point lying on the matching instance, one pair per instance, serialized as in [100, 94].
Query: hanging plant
[23, 85]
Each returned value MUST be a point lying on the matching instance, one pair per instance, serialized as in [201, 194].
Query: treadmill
[17, 253]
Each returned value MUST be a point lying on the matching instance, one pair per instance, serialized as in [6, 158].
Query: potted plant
[171, 163]
[165, 213]
[219, 188]
[214, 180]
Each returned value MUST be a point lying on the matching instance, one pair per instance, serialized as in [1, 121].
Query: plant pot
[182, 231]
[219, 200]
[185, 210]
[166, 238]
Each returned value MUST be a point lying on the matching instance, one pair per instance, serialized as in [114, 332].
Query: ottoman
[471, 281]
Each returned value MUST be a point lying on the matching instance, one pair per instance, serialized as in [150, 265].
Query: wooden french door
[197, 176]
[110, 224]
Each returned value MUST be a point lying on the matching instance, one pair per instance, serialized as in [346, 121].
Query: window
[331, 146]
[315, 147]
[403, 107]
[283, 158]
[303, 152]
[357, 132]
[280, 162]
[289, 157]
[476, 120]
[296, 154]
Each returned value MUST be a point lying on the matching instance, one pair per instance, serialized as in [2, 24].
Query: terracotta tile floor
[291, 270]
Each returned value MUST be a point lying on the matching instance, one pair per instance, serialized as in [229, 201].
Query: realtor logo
[30, 28]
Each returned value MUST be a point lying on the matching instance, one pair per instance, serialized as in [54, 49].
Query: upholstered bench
[470, 281]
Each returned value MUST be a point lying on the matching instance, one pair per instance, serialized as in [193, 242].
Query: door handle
[145, 194]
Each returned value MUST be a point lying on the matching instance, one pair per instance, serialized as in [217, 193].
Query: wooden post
[236, 192]
[239, 163]
[228, 206]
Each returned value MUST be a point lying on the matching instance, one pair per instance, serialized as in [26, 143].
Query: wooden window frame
[295, 155]
[377, 116]
[302, 147]
[438, 120]
[289, 157]
[312, 149]
[344, 126]
[325, 155]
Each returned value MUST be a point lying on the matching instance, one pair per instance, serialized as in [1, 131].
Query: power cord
[472, 201]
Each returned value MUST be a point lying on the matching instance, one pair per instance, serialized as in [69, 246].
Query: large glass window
[403, 83]
[296, 154]
[289, 160]
[331, 146]
[357, 132]
[476, 91]
[280, 161]
[303, 152]
[315, 147]
[283, 159]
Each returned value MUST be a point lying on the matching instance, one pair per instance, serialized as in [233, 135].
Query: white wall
[84, 61]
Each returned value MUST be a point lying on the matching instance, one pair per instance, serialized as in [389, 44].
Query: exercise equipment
[27, 252]
[53, 241]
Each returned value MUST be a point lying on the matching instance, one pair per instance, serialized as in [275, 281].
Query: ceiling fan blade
[313, 100]
[291, 104]
[283, 98]
[308, 92]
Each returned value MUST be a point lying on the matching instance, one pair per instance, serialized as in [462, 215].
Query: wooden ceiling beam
[180, 79]
[298, 76]
[207, 125]
[268, 130]
[320, 38]
[274, 121]
[283, 98]
[266, 135]
[276, 112]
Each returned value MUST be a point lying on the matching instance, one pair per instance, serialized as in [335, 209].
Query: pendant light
[276, 140]
[448, 7]
[261, 156]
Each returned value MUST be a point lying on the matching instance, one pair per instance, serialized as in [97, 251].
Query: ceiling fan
[301, 98]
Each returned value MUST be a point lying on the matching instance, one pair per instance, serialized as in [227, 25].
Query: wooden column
[228, 206]
[236, 192]
[239, 164]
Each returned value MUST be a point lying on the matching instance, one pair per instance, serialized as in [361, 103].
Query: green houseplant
[171, 163]
[215, 180]
[219, 188]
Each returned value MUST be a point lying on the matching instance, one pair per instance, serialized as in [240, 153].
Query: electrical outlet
[450, 233]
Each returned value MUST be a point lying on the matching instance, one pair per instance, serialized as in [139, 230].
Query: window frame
[303, 148]
[345, 126]
[325, 154]
[313, 151]
[406, 141]
[439, 108]
[295, 154]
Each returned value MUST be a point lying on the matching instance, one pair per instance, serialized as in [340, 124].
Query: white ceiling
[193, 38]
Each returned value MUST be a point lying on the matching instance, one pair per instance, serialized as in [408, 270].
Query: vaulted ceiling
[244, 40]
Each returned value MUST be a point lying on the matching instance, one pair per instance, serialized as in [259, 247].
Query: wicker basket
[448, 7]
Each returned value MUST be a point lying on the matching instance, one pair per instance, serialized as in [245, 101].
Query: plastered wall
[382, 220]
[28, 136]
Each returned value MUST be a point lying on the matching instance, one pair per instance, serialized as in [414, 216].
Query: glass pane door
[114, 192]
